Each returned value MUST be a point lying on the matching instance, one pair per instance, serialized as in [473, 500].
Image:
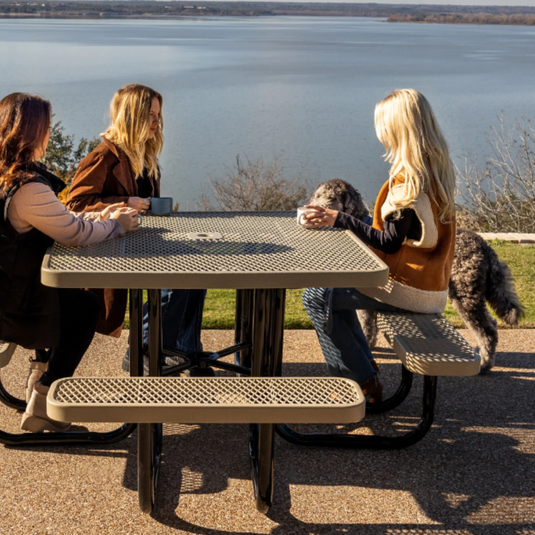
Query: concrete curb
[508, 236]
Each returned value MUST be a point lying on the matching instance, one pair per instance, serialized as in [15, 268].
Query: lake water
[301, 87]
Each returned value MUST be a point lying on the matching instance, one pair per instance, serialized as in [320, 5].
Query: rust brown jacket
[104, 177]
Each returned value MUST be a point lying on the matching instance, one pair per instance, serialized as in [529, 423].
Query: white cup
[301, 211]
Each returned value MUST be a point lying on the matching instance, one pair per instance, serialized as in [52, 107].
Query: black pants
[79, 315]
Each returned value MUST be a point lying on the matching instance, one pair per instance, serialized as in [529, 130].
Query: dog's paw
[487, 362]
[485, 368]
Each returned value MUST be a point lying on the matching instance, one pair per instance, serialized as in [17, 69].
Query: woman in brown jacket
[124, 168]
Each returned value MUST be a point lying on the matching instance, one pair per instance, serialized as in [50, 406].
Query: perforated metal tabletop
[218, 250]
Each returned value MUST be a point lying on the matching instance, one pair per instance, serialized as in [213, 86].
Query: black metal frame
[342, 440]
[243, 303]
[258, 350]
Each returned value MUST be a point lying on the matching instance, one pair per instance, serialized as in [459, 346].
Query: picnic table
[260, 254]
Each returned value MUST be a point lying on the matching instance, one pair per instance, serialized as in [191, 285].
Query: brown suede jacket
[104, 177]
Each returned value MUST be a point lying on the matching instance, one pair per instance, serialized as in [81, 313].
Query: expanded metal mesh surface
[427, 336]
[220, 392]
[251, 242]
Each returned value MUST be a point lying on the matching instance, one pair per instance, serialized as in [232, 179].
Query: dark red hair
[24, 122]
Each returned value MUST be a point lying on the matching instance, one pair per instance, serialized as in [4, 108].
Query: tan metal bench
[206, 400]
[150, 401]
[427, 344]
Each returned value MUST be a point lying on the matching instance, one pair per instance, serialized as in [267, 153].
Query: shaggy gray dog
[478, 277]
[341, 196]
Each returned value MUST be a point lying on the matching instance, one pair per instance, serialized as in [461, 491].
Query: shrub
[256, 185]
[61, 157]
[501, 196]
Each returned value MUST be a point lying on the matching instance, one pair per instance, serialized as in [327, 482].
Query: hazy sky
[434, 2]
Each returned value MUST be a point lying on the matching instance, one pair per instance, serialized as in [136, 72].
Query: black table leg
[244, 324]
[150, 435]
[267, 336]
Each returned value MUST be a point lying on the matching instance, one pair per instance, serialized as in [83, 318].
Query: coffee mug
[161, 205]
[301, 211]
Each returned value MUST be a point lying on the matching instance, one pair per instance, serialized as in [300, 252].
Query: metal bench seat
[428, 344]
[206, 400]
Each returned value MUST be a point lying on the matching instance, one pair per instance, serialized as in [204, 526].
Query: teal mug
[161, 205]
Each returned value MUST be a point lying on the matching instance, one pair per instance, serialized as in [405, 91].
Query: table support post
[150, 435]
[243, 326]
[136, 333]
[268, 330]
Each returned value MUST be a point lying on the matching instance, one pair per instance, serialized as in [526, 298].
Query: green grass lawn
[219, 306]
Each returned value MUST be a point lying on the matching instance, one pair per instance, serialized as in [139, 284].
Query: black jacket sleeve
[388, 241]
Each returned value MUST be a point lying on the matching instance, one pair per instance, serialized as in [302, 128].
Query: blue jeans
[344, 346]
[181, 319]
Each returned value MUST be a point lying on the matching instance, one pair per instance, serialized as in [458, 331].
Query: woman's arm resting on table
[388, 241]
[34, 205]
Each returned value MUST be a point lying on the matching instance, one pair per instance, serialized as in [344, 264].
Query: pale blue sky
[530, 3]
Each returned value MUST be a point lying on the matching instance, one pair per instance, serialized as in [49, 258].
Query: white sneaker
[35, 418]
[36, 370]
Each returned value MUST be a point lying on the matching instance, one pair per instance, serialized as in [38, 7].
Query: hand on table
[139, 204]
[106, 213]
[321, 217]
[128, 218]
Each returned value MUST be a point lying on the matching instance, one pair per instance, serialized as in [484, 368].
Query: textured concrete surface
[474, 473]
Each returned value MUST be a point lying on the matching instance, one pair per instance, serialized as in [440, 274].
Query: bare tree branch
[256, 185]
[501, 196]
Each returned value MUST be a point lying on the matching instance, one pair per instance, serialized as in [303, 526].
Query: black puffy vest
[29, 311]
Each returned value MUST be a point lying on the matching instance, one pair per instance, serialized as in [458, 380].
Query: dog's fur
[477, 278]
[341, 196]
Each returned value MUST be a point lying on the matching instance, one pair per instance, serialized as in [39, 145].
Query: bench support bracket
[343, 440]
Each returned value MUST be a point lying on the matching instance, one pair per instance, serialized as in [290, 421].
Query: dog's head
[339, 195]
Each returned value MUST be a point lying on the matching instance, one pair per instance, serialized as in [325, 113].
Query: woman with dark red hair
[58, 323]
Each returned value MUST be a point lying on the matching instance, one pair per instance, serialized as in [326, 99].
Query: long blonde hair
[130, 127]
[406, 126]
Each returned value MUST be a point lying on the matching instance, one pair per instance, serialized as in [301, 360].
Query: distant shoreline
[83, 16]
[170, 10]
[462, 18]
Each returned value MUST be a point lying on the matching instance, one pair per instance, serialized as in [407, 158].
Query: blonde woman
[413, 232]
[124, 168]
